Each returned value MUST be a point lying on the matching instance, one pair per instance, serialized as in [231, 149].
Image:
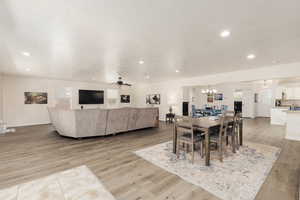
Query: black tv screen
[91, 97]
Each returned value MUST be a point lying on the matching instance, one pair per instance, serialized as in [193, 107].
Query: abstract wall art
[36, 97]
[125, 98]
[218, 96]
[153, 99]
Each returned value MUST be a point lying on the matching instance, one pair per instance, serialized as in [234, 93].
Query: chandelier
[209, 91]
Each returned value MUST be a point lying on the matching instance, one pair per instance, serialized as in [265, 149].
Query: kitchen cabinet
[279, 91]
[278, 115]
[297, 93]
[293, 93]
[292, 125]
[290, 93]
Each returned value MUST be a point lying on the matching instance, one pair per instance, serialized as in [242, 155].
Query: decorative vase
[170, 109]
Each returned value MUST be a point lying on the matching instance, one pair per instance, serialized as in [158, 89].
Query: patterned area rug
[239, 177]
[74, 184]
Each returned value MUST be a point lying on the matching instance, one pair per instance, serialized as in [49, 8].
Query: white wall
[1, 97]
[237, 92]
[168, 94]
[16, 113]
[200, 99]
[263, 73]
[174, 89]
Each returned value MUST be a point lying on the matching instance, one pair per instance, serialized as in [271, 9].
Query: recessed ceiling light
[251, 56]
[147, 76]
[26, 53]
[27, 69]
[177, 71]
[225, 33]
[141, 62]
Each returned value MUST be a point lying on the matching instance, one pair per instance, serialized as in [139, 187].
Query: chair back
[193, 110]
[237, 120]
[183, 121]
[222, 121]
[239, 115]
[183, 125]
[224, 118]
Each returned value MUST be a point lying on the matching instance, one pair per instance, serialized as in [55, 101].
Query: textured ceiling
[95, 39]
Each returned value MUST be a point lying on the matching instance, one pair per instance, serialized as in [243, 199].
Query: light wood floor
[37, 151]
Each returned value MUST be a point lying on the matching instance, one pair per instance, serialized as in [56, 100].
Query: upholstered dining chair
[188, 135]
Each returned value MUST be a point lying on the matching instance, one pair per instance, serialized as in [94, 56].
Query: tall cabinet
[248, 104]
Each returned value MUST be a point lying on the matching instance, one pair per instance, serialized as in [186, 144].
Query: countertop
[281, 108]
[292, 111]
[286, 109]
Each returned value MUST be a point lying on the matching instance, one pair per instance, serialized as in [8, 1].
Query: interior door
[248, 103]
[265, 103]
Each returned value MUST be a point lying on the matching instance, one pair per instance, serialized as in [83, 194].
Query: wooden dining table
[207, 124]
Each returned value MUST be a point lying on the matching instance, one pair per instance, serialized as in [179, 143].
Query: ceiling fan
[121, 83]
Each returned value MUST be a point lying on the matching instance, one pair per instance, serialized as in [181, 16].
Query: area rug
[238, 177]
[74, 184]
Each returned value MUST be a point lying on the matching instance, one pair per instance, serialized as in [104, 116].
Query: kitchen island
[292, 125]
[278, 115]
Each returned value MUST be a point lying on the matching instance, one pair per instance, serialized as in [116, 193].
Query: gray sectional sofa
[97, 122]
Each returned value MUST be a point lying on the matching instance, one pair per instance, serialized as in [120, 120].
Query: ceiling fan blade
[127, 84]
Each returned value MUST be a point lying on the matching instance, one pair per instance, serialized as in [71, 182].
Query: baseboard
[292, 138]
[29, 124]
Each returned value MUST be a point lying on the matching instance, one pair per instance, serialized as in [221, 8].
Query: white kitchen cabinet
[293, 93]
[297, 93]
[278, 115]
[292, 125]
[290, 93]
[279, 91]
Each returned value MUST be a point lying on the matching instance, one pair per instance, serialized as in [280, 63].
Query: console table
[170, 117]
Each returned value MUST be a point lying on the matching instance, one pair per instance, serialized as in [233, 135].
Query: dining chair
[220, 135]
[233, 130]
[187, 135]
[238, 121]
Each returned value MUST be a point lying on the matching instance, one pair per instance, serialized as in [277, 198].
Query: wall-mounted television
[91, 97]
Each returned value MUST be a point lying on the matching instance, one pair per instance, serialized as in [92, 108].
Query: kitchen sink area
[286, 112]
